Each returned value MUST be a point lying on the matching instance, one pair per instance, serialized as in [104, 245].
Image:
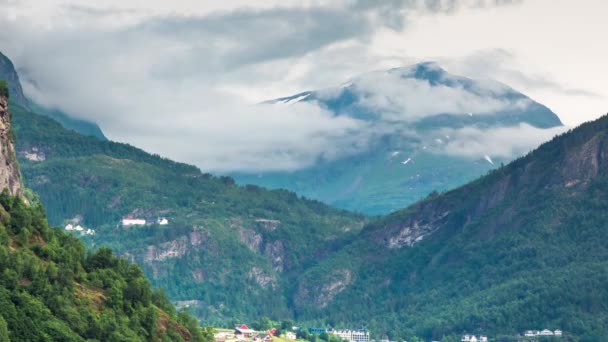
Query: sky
[184, 78]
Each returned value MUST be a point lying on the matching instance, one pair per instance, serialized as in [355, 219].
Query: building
[127, 222]
[243, 331]
[557, 332]
[290, 335]
[359, 335]
[546, 332]
[317, 331]
[473, 338]
[263, 337]
[162, 221]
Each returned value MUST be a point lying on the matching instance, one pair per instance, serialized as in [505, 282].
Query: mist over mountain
[9, 73]
[423, 130]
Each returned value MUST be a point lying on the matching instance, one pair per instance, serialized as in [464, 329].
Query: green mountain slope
[226, 249]
[521, 248]
[51, 290]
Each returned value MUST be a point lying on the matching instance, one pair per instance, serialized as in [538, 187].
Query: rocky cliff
[10, 178]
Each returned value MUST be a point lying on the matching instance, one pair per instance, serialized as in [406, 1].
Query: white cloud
[502, 142]
[179, 78]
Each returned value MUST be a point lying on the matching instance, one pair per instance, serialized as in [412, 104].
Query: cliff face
[9, 169]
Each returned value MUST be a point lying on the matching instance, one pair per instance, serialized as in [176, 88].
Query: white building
[546, 332]
[473, 338]
[360, 335]
[126, 222]
[162, 221]
[557, 332]
[290, 335]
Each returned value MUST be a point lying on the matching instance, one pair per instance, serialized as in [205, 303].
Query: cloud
[182, 84]
[502, 142]
[502, 64]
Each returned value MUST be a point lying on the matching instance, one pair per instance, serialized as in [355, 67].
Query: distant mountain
[415, 116]
[521, 248]
[8, 73]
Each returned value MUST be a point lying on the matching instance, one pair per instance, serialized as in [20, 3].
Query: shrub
[3, 89]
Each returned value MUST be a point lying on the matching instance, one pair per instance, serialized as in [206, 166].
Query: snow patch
[406, 161]
[487, 157]
[296, 99]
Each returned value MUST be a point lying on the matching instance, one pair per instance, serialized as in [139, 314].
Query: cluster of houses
[350, 335]
[79, 228]
[546, 332]
[242, 332]
[529, 333]
[132, 221]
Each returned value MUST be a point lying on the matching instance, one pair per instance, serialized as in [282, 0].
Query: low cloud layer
[183, 83]
[502, 142]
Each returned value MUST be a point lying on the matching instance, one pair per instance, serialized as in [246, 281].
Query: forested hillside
[52, 290]
[226, 249]
[521, 248]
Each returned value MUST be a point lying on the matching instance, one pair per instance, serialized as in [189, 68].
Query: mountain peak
[428, 70]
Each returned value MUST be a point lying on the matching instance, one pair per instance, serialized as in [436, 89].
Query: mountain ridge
[496, 256]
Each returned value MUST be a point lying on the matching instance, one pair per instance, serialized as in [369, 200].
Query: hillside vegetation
[521, 248]
[52, 290]
[227, 248]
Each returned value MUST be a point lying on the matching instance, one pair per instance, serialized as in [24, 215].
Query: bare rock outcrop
[10, 178]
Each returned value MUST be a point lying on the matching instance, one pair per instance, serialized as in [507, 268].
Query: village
[244, 333]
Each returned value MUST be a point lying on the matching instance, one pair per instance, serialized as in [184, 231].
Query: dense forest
[521, 248]
[52, 289]
[220, 235]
